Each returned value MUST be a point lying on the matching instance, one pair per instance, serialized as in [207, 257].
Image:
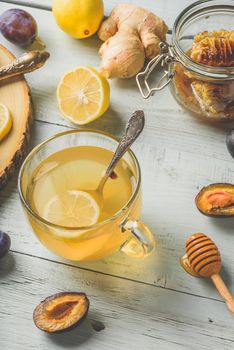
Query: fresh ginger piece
[119, 62]
[131, 34]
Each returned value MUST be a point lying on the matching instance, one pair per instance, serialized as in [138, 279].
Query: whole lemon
[78, 18]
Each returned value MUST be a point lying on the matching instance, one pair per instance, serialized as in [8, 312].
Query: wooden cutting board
[15, 94]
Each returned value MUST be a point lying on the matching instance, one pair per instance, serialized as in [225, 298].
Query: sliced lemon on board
[5, 121]
[72, 209]
[83, 95]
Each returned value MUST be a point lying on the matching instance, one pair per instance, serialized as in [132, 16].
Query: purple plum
[5, 243]
[18, 26]
[230, 142]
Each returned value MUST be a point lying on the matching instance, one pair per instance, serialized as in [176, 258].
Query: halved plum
[61, 312]
[216, 200]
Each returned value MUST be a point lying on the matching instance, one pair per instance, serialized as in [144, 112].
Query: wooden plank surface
[135, 317]
[161, 7]
[172, 139]
[178, 155]
[171, 228]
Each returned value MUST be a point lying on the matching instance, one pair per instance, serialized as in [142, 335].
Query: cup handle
[140, 242]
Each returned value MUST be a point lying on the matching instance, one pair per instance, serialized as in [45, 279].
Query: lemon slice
[83, 95]
[72, 209]
[5, 121]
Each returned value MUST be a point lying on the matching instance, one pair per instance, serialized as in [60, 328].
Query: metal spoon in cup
[133, 129]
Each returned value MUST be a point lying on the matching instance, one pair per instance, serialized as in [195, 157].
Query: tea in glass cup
[53, 182]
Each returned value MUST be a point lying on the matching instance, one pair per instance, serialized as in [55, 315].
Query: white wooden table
[150, 304]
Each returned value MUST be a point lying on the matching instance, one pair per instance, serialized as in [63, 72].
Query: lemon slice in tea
[72, 209]
[83, 95]
[5, 121]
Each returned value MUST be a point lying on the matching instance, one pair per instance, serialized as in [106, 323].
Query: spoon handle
[133, 129]
[223, 291]
[28, 62]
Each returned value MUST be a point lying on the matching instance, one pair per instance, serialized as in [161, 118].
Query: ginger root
[131, 34]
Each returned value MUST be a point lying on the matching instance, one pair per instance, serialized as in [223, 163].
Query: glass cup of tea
[52, 184]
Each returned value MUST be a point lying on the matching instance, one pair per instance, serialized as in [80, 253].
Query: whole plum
[5, 243]
[18, 26]
[230, 142]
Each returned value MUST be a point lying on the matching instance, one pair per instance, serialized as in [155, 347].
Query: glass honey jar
[198, 64]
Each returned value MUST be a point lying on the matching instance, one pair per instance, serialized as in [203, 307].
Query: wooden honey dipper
[205, 260]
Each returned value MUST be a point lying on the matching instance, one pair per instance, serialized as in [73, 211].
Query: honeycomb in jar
[214, 48]
[215, 100]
